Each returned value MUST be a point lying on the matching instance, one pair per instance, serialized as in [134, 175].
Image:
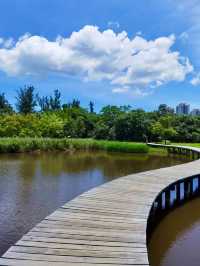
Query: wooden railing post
[178, 193]
[192, 186]
[193, 156]
[187, 189]
[198, 185]
[167, 199]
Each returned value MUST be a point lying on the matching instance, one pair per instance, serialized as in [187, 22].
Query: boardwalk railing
[175, 194]
[184, 150]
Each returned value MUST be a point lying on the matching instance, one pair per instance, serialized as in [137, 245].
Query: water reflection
[176, 240]
[34, 185]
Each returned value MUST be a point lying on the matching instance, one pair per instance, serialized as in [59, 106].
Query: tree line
[46, 116]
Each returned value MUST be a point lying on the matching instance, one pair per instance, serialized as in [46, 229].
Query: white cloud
[120, 90]
[139, 33]
[6, 43]
[113, 24]
[132, 93]
[184, 36]
[188, 7]
[189, 12]
[94, 55]
[196, 80]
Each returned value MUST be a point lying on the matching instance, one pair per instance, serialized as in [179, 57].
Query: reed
[11, 145]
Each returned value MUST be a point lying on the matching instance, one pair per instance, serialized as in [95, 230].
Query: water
[176, 240]
[34, 185]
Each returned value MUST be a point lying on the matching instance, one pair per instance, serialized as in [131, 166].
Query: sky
[120, 52]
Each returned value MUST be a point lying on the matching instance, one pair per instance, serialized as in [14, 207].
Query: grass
[11, 145]
[158, 151]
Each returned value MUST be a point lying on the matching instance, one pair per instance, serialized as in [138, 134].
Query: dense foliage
[47, 117]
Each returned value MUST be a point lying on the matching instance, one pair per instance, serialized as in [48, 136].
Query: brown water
[176, 241]
[34, 185]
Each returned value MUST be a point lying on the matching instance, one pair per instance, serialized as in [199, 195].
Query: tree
[26, 100]
[51, 103]
[55, 101]
[132, 126]
[126, 108]
[44, 103]
[77, 128]
[166, 121]
[91, 105]
[109, 114]
[51, 125]
[5, 107]
[169, 134]
[123, 127]
[157, 131]
[75, 103]
[101, 131]
[9, 126]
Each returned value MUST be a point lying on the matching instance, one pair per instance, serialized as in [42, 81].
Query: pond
[176, 240]
[33, 185]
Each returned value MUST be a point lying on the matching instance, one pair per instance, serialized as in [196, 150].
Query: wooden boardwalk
[105, 226]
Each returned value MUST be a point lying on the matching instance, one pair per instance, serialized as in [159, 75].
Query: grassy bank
[11, 145]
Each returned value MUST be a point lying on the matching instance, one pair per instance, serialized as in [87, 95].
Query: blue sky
[155, 61]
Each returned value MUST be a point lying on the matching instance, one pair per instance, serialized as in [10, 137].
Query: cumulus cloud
[91, 54]
[139, 33]
[6, 43]
[196, 80]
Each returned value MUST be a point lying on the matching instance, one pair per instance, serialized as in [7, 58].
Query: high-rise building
[183, 109]
[195, 112]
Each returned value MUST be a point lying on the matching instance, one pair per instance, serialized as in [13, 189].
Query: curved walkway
[105, 226]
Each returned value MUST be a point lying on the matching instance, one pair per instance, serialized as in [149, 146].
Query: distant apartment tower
[195, 112]
[183, 109]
